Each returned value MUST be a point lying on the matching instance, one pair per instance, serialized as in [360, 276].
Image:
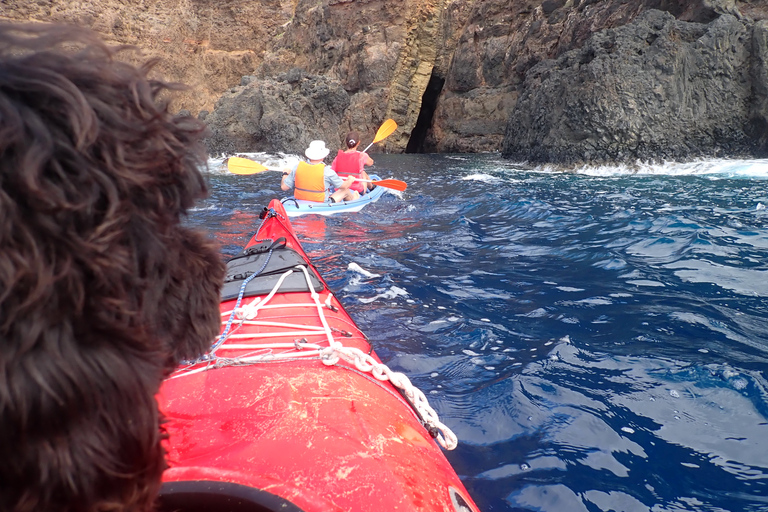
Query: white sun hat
[317, 150]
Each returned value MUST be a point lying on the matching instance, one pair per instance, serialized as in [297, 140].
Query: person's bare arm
[348, 182]
[283, 186]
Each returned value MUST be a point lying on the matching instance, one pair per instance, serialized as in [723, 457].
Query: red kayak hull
[311, 435]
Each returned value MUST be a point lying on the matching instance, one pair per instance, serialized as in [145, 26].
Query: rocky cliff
[206, 44]
[655, 89]
[540, 80]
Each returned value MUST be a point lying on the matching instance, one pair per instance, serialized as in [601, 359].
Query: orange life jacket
[309, 183]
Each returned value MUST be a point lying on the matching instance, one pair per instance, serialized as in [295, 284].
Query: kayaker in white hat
[312, 181]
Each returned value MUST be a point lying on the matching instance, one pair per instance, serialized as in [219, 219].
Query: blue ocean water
[597, 339]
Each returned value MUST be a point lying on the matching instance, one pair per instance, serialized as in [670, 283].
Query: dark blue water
[597, 342]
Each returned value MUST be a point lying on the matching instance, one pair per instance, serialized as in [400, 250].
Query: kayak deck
[292, 408]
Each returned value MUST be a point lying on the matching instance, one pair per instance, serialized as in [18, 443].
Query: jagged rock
[705, 11]
[450, 72]
[277, 115]
[757, 126]
[206, 44]
[654, 89]
[382, 51]
[500, 41]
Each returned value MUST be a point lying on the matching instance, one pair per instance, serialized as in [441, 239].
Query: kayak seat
[279, 259]
[207, 496]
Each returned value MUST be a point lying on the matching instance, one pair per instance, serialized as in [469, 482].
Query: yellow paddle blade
[237, 165]
[385, 130]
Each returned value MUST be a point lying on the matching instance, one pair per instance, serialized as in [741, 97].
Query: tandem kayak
[296, 207]
[292, 410]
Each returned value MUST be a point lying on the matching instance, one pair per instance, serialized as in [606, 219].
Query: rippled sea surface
[597, 340]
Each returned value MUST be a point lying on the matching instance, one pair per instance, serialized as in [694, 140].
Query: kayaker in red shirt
[351, 162]
[312, 181]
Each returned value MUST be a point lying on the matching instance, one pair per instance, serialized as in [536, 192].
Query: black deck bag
[279, 259]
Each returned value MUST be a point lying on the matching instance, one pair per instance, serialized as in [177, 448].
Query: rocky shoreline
[553, 81]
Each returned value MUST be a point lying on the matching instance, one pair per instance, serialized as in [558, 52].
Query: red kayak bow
[291, 409]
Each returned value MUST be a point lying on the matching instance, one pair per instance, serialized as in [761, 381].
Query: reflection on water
[597, 340]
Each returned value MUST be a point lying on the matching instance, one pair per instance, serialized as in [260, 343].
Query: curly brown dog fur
[102, 290]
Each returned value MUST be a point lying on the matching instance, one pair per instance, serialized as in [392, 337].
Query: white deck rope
[329, 355]
[366, 363]
[250, 310]
[320, 312]
[274, 306]
[274, 346]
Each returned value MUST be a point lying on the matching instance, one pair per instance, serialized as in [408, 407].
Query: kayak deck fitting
[291, 409]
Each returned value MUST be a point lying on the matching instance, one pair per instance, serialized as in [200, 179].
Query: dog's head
[102, 290]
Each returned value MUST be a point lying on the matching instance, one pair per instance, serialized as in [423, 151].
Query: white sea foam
[485, 178]
[387, 294]
[569, 289]
[715, 168]
[218, 164]
[354, 267]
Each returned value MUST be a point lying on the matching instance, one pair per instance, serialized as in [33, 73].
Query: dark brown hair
[352, 139]
[102, 290]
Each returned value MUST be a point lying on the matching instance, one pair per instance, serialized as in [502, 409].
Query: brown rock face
[206, 44]
[278, 115]
[383, 52]
[450, 72]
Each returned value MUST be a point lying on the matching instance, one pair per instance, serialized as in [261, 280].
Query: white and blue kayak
[296, 207]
